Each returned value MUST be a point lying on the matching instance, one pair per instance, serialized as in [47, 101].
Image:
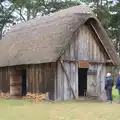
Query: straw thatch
[43, 39]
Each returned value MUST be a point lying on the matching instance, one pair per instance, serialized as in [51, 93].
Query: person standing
[118, 86]
[108, 87]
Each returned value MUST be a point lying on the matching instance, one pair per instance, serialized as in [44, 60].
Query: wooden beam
[109, 61]
[100, 40]
[88, 61]
[68, 79]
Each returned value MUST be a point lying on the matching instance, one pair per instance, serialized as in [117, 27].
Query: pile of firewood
[4, 95]
[29, 96]
[35, 96]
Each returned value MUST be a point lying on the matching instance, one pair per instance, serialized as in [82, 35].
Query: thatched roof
[41, 40]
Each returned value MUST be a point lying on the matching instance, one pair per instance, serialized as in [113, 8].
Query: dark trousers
[109, 94]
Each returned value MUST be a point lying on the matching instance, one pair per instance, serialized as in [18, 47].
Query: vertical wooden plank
[58, 81]
[53, 67]
[4, 80]
[47, 79]
[87, 44]
[84, 49]
[79, 40]
[55, 82]
[66, 84]
[99, 69]
[37, 81]
[76, 79]
[29, 87]
[76, 48]
[32, 79]
[82, 43]
[32, 84]
[44, 79]
[73, 80]
[103, 73]
[45, 72]
[62, 85]
[69, 71]
[31, 90]
[8, 80]
[40, 78]
[27, 78]
[95, 51]
[72, 50]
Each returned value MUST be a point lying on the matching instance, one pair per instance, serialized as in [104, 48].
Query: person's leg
[110, 93]
[107, 94]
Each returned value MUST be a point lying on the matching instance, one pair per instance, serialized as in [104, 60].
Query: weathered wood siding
[40, 78]
[63, 91]
[95, 83]
[4, 80]
[84, 47]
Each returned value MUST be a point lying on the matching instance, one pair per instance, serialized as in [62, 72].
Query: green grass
[69, 110]
[115, 93]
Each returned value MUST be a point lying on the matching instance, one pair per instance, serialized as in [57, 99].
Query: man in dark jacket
[118, 85]
[108, 87]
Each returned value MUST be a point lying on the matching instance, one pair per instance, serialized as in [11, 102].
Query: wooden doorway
[82, 77]
[18, 83]
[82, 81]
[24, 82]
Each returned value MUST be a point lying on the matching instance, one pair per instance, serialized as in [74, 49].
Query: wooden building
[65, 54]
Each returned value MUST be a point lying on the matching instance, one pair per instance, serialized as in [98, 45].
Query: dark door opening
[82, 81]
[24, 85]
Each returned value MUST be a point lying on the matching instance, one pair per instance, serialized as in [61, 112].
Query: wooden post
[99, 81]
[68, 79]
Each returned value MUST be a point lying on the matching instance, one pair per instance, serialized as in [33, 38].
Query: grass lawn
[69, 110]
[115, 93]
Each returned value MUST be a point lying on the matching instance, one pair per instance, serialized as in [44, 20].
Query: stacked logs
[29, 96]
[4, 95]
[35, 97]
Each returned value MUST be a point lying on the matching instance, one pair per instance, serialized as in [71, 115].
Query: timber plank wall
[40, 78]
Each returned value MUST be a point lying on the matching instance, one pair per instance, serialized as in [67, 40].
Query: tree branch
[20, 13]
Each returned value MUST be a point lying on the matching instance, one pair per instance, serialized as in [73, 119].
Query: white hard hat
[108, 74]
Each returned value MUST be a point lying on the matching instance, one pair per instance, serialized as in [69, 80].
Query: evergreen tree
[5, 16]
[115, 25]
